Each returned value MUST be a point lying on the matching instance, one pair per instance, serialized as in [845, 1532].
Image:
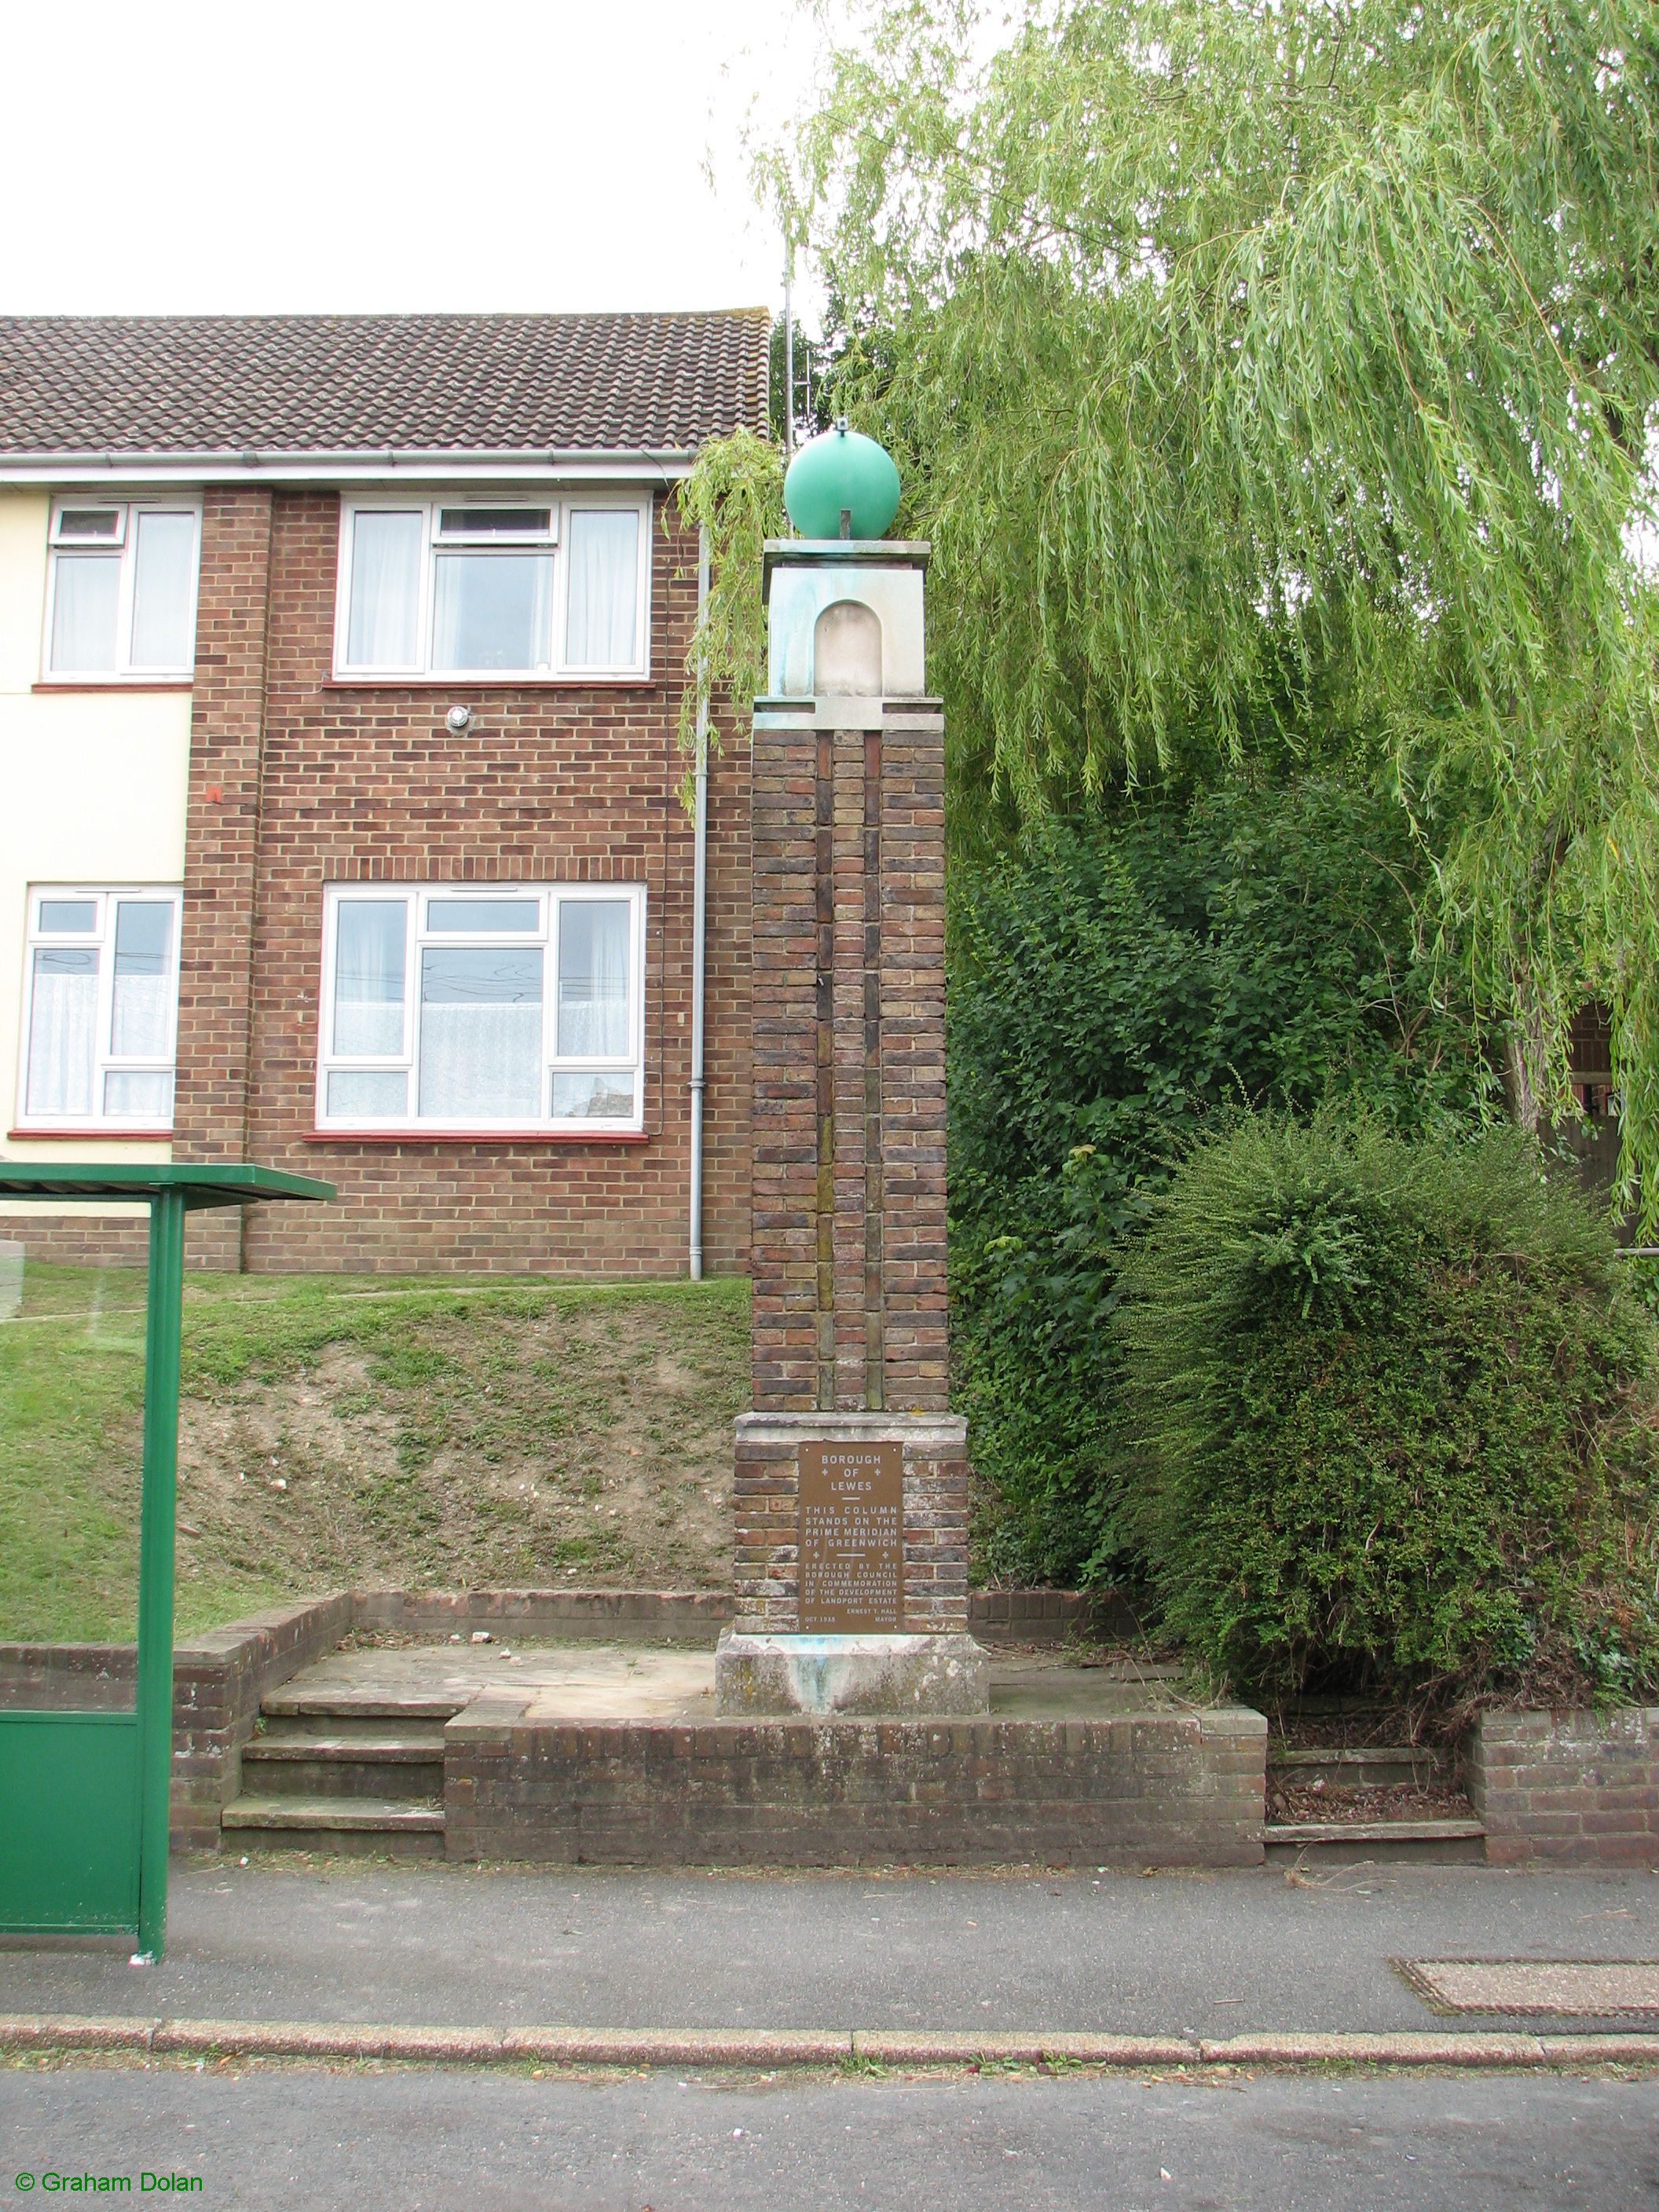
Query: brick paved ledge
[1145, 1788]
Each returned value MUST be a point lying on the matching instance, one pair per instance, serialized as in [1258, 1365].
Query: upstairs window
[467, 1008]
[430, 588]
[121, 598]
[102, 1001]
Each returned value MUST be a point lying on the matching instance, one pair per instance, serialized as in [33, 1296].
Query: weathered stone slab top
[586, 1681]
[923, 1435]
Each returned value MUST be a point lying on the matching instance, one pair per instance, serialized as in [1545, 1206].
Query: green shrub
[1390, 1397]
[1112, 988]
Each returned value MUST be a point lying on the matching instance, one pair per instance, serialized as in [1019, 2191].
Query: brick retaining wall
[1150, 1789]
[219, 1679]
[580, 1616]
[1567, 1788]
[89, 1678]
[1104, 1789]
[1006, 1616]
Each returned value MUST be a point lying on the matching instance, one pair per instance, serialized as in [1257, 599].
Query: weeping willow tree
[1278, 372]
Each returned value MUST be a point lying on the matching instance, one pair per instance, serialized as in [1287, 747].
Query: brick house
[341, 667]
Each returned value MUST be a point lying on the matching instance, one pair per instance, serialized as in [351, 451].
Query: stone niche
[839, 609]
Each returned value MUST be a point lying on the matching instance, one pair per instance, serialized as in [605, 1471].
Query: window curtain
[139, 1094]
[383, 628]
[604, 571]
[163, 591]
[86, 588]
[593, 979]
[141, 1016]
[368, 976]
[63, 1032]
[481, 1035]
[376, 1093]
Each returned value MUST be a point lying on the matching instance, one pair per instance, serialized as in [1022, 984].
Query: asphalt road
[1209, 1955]
[308, 2140]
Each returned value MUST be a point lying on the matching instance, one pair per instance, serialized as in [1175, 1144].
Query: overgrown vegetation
[341, 1429]
[1270, 376]
[1109, 994]
[1385, 1400]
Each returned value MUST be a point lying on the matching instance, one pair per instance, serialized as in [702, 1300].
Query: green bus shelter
[83, 1794]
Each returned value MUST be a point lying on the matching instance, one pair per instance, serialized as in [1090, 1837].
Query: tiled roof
[159, 384]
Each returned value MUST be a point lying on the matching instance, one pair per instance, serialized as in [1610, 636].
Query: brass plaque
[852, 1538]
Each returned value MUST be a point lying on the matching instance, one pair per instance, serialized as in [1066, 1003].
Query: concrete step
[1368, 1767]
[1446, 1842]
[340, 1709]
[399, 1827]
[289, 1763]
[336, 1724]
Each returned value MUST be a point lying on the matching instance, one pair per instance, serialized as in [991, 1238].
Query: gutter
[699, 922]
[346, 464]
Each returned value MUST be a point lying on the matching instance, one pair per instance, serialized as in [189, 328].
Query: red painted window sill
[76, 1136]
[476, 1137]
[115, 684]
[470, 688]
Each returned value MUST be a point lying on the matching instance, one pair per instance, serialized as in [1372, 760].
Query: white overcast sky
[168, 156]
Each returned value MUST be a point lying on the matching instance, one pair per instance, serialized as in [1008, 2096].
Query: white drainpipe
[699, 926]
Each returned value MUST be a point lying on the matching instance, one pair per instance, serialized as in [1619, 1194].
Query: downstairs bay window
[553, 589]
[464, 1009]
[100, 1009]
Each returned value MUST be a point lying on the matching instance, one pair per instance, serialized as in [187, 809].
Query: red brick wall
[318, 784]
[1566, 1789]
[1148, 1788]
[849, 901]
[212, 1097]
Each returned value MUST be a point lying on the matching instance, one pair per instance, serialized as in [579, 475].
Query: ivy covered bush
[1113, 988]
[1389, 1401]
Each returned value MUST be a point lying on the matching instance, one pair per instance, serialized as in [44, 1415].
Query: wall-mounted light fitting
[459, 721]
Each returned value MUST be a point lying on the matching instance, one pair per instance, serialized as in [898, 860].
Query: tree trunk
[1526, 1061]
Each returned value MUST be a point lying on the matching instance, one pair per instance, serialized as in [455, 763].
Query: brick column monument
[851, 1497]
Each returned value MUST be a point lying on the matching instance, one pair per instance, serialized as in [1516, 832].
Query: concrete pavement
[1208, 1956]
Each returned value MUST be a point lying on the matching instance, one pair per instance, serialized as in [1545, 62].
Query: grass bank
[361, 1429]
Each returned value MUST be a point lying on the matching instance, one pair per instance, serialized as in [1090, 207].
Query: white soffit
[444, 465]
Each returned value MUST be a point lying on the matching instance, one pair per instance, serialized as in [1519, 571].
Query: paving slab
[633, 1681]
[1208, 1956]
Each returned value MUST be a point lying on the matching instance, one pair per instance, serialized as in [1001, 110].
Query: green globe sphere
[840, 469]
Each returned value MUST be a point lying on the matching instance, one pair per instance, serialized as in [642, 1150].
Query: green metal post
[155, 1544]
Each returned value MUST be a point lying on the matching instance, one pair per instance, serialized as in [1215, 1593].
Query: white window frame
[101, 937]
[123, 547]
[421, 934]
[562, 506]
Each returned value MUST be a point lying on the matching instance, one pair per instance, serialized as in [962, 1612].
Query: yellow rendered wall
[92, 790]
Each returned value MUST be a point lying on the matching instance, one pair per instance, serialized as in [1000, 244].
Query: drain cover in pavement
[1598, 1987]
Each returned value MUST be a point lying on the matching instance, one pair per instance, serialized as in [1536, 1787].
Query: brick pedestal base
[766, 1506]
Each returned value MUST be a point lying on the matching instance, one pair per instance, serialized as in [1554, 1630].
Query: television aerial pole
[788, 348]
